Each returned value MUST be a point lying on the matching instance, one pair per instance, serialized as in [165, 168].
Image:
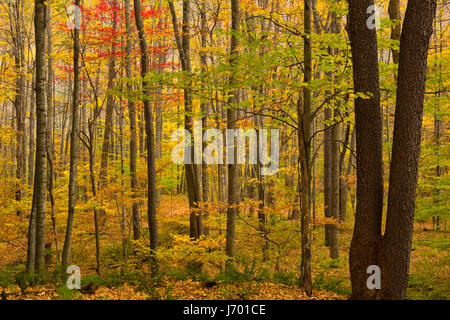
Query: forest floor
[270, 280]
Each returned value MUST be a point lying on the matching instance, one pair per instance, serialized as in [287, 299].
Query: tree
[191, 170]
[40, 177]
[327, 187]
[133, 137]
[390, 252]
[17, 33]
[364, 249]
[204, 107]
[304, 145]
[233, 168]
[73, 147]
[396, 29]
[107, 135]
[282, 78]
[414, 44]
[148, 114]
[334, 155]
[50, 130]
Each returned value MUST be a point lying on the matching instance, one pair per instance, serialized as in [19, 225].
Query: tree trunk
[133, 135]
[50, 142]
[73, 148]
[343, 179]
[20, 97]
[304, 140]
[41, 121]
[31, 142]
[192, 181]
[438, 123]
[414, 44]
[107, 145]
[31, 243]
[327, 172]
[391, 253]
[158, 108]
[204, 108]
[396, 29]
[233, 169]
[335, 173]
[365, 245]
[334, 204]
[148, 114]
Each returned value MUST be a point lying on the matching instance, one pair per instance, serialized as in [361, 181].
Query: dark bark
[334, 203]
[414, 44]
[40, 178]
[392, 252]
[148, 114]
[334, 152]
[304, 140]
[365, 245]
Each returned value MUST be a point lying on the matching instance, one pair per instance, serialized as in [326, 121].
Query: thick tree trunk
[365, 245]
[414, 44]
[391, 253]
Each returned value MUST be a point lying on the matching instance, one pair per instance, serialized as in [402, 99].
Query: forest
[224, 150]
